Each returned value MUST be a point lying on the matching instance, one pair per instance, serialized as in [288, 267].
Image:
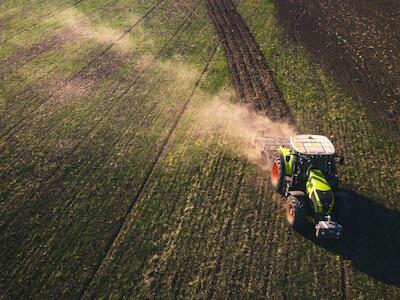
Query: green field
[115, 183]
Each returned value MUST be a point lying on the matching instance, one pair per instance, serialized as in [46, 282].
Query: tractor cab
[310, 153]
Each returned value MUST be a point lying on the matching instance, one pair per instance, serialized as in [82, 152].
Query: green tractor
[304, 171]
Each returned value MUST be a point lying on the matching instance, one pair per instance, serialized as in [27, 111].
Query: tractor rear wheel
[295, 212]
[278, 174]
[342, 208]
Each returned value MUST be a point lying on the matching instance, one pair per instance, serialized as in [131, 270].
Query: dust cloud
[233, 124]
[238, 125]
[85, 28]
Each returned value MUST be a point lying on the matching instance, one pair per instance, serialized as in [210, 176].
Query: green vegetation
[109, 186]
[373, 160]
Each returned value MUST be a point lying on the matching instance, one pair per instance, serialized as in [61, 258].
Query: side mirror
[287, 158]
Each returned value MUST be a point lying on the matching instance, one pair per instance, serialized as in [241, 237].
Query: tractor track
[125, 219]
[248, 255]
[269, 236]
[179, 276]
[344, 280]
[254, 82]
[274, 222]
[217, 162]
[251, 75]
[40, 20]
[78, 74]
[75, 148]
[215, 191]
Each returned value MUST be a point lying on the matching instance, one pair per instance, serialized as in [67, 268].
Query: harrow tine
[267, 145]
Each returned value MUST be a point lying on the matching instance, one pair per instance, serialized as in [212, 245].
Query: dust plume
[84, 27]
[174, 68]
[238, 125]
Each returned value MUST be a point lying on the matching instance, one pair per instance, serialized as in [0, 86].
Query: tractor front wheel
[295, 212]
[278, 174]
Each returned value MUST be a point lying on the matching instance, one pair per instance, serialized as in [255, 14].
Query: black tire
[278, 180]
[296, 212]
[342, 208]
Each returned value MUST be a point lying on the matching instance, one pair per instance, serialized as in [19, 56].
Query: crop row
[367, 254]
[63, 205]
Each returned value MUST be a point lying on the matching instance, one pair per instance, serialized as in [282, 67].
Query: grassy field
[114, 183]
[373, 160]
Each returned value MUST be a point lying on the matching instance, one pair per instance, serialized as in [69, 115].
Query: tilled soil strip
[251, 75]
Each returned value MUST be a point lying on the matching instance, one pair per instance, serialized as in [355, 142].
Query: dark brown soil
[358, 42]
[251, 75]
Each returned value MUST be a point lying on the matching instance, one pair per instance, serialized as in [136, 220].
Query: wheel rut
[252, 77]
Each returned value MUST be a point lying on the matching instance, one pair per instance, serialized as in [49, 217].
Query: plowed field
[123, 168]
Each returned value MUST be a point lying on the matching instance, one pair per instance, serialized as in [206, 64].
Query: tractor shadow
[371, 239]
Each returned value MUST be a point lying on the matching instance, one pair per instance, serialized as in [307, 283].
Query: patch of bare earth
[358, 42]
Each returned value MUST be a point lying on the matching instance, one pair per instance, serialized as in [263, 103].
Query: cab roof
[312, 144]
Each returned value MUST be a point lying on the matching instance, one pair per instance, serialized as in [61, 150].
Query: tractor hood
[319, 192]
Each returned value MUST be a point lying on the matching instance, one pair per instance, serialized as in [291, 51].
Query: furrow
[257, 85]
